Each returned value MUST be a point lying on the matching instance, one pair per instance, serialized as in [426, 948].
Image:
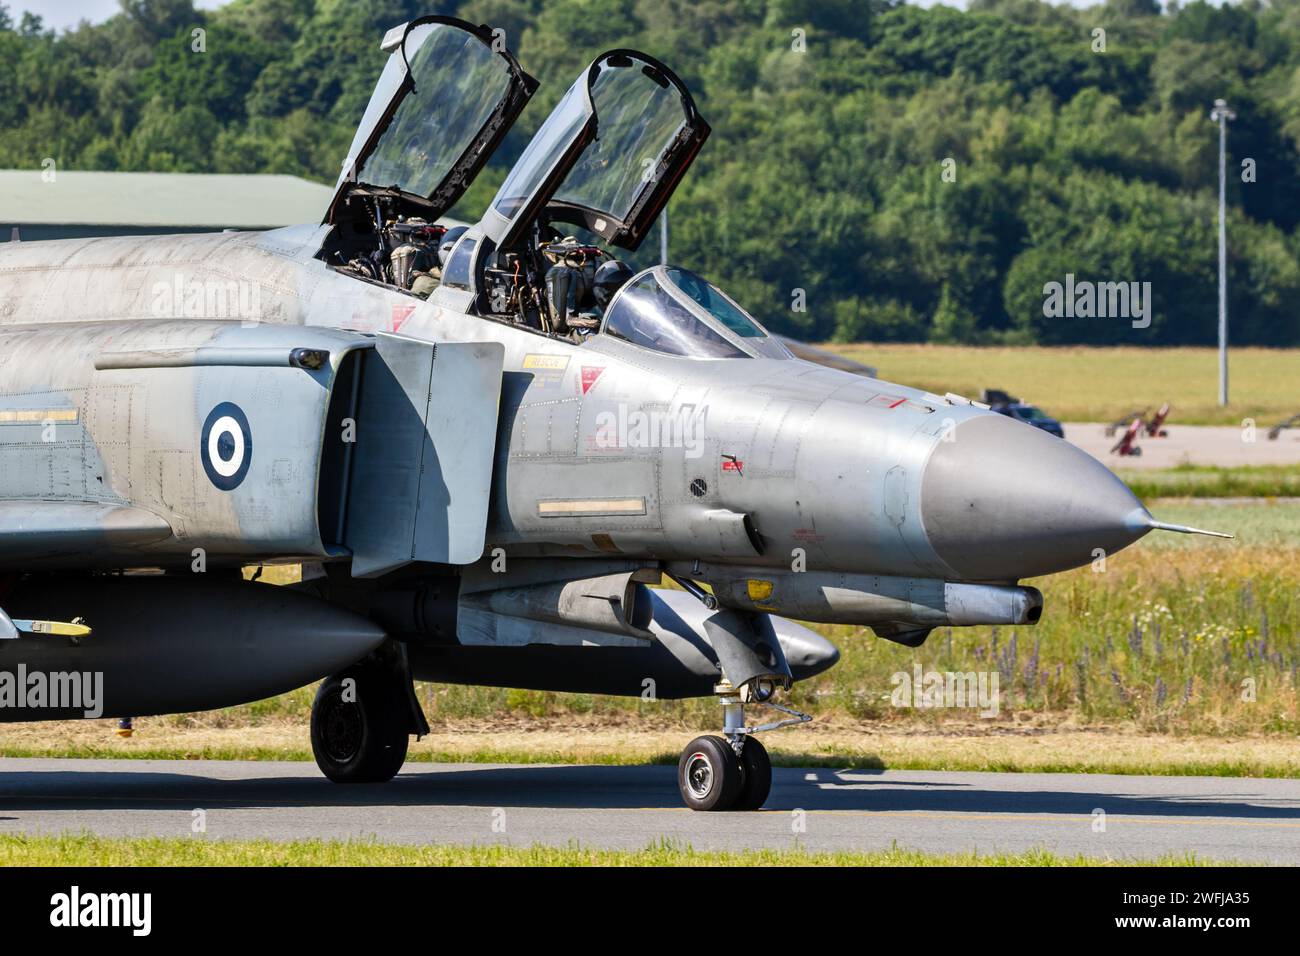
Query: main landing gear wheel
[756, 777]
[358, 728]
[709, 774]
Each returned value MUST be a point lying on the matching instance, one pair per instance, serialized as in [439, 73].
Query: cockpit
[593, 179]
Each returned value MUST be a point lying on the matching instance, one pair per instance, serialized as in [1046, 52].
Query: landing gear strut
[733, 771]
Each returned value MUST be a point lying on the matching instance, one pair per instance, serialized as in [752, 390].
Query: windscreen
[645, 314]
[710, 298]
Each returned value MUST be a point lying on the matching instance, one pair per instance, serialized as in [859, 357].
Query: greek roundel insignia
[226, 446]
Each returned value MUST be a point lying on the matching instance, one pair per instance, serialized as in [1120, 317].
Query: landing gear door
[425, 440]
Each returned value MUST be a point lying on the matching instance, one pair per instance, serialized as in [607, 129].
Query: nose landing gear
[733, 771]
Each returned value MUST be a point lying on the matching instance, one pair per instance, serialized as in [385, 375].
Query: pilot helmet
[449, 240]
[609, 278]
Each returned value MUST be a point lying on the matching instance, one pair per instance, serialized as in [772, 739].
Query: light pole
[1221, 114]
[663, 237]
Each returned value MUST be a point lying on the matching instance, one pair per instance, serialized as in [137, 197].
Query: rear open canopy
[609, 155]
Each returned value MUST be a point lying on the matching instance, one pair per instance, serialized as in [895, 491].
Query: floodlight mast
[1221, 114]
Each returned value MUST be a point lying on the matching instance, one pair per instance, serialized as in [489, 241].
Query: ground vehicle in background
[1032, 415]
[1006, 404]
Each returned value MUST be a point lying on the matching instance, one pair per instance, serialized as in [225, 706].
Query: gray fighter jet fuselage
[603, 447]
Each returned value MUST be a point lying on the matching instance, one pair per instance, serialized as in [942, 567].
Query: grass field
[1180, 656]
[1065, 381]
[647, 738]
[121, 851]
[1207, 481]
[1167, 638]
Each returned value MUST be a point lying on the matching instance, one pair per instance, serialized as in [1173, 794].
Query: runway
[1226, 446]
[1102, 816]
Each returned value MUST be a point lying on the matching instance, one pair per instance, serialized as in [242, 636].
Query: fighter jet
[484, 445]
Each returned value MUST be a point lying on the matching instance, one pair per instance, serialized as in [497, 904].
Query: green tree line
[901, 173]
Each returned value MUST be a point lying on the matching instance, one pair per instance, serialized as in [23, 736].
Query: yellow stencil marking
[37, 416]
[591, 507]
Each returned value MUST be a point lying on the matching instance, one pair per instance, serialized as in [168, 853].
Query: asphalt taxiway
[1224, 446]
[1103, 816]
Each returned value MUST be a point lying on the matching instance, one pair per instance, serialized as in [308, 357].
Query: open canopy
[446, 97]
[609, 155]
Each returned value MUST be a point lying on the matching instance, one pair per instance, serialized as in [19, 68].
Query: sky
[65, 14]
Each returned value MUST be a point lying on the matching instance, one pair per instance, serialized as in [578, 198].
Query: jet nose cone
[1003, 500]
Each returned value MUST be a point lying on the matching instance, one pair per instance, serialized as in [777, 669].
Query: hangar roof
[170, 200]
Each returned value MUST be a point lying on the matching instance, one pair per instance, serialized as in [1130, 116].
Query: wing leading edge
[38, 529]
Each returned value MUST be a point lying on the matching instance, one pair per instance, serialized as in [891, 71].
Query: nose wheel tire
[358, 730]
[709, 774]
[757, 776]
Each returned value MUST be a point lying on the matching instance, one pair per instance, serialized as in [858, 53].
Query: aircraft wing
[37, 529]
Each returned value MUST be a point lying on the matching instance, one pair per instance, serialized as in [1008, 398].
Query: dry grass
[1144, 667]
[1065, 380]
[1022, 746]
[1178, 635]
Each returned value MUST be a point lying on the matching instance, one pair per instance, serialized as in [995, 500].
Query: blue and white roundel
[226, 446]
